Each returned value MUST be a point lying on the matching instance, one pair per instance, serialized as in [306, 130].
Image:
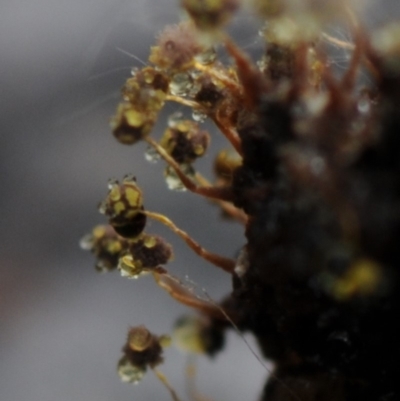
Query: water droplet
[129, 178]
[207, 57]
[111, 183]
[173, 181]
[86, 242]
[316, 104]
[134, 71]
[195, 89]
[175, 119]
[199, 116]
[151, 155]
[242, 263]
[195, 74]
[364, 106]
[263, 30]
[102, 208]
[181, 84]
[101, 267]
[262, 64]
[129, 373]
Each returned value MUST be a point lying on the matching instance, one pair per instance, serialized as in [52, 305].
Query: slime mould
[313, 174]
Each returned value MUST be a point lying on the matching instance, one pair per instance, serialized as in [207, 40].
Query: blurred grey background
[61, 324]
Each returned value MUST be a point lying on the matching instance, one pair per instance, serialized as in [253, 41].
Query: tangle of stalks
[311, 171]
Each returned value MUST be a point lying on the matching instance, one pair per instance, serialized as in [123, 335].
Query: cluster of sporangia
[314, 175]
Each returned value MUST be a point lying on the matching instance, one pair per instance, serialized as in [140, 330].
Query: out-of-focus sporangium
[311, 170]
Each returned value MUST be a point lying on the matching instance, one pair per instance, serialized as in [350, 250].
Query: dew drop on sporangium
[181, 84]
[199, 116]
[173, 181]
[86, 242]
[151, 155]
